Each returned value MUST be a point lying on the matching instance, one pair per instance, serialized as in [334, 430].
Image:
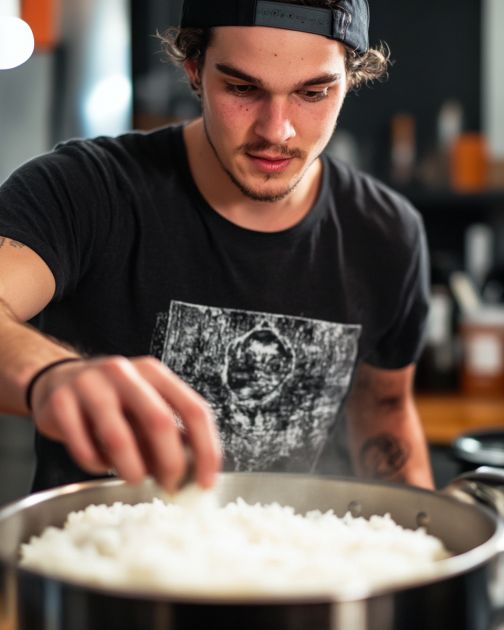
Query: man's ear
[192, 71]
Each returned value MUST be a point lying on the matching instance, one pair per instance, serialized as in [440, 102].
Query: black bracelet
[37, 375]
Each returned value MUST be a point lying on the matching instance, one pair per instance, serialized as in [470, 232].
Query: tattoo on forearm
[383, 456]
[11, 242]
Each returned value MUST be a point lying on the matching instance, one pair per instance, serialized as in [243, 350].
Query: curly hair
[184, 44]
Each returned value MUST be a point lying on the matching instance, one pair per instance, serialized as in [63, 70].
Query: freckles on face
[229, 118]
[310, 124]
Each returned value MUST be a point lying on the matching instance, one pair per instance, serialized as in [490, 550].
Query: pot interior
[460, 526]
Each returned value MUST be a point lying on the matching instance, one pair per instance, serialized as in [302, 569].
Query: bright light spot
[108, 101]
[16, 42]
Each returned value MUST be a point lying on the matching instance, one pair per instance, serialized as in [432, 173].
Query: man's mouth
[269, 163]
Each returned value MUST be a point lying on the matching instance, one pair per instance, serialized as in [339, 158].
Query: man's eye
[314, 95]
[240, 89]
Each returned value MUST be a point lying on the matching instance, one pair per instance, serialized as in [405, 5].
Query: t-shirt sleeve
[402, 342]
[58, 204]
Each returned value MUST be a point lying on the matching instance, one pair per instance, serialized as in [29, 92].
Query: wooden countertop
[444, 416]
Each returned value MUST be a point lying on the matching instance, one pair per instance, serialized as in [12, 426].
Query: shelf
[447, 199]
[446, 416]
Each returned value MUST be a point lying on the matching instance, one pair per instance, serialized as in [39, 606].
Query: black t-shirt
[267, 326]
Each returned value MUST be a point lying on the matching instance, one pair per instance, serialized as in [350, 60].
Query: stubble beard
[248, 192]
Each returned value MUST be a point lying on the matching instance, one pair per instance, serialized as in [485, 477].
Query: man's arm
[109, 412]
[385, 434]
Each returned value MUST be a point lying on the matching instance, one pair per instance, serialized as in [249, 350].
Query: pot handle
[483, 485]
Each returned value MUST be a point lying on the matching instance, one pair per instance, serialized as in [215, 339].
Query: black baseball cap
[347, 22]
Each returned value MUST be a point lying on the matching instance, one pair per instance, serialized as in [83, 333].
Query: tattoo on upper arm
[12, 243]
[16, 244]
[383, 456]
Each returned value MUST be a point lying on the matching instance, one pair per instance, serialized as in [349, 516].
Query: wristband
[37, 375]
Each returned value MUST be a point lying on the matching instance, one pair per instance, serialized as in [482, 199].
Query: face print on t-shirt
[275, 382]
[257, 364]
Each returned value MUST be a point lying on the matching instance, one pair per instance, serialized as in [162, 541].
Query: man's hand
[130, 415]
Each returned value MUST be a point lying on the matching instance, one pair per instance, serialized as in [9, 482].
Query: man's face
[271, 99]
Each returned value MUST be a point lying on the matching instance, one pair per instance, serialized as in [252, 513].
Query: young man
[263, 275]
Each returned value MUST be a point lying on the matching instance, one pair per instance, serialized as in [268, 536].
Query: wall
[25, 102]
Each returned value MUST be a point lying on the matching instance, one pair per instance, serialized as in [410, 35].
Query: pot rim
[441, 570]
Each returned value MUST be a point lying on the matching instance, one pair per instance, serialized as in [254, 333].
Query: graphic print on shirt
[275, 382]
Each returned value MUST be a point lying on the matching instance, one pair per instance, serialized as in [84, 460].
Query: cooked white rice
[236, 550]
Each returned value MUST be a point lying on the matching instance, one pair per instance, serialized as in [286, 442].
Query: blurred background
[434, 130]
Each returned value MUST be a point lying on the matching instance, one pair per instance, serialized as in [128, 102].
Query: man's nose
[274, 122]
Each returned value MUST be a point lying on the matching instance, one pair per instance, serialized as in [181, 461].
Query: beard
[261, 145]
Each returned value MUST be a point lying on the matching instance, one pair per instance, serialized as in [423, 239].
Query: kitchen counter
[444, 416]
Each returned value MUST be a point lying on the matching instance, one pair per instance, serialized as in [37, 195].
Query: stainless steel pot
[462, 592]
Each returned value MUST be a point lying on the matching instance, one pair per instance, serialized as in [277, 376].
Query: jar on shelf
[482, 341]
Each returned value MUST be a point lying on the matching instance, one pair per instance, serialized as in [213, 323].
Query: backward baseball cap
[347, 21]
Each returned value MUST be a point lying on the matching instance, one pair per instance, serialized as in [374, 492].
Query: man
[267, 277]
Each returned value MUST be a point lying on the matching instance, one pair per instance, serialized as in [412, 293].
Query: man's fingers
[108, 425]
[195, 413]
[62, 420]
[120, 413]
[162, 448]
[154, 425]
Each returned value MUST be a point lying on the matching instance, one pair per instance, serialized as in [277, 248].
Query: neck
[229, 201]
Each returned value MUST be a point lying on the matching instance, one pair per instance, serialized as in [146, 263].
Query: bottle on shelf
[402, 150]
[449, 129]
[479, 252]
[469, 163]
[481, 330]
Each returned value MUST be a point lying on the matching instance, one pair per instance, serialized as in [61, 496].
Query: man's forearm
[386, 438]
[23, 351]
[390, 445]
